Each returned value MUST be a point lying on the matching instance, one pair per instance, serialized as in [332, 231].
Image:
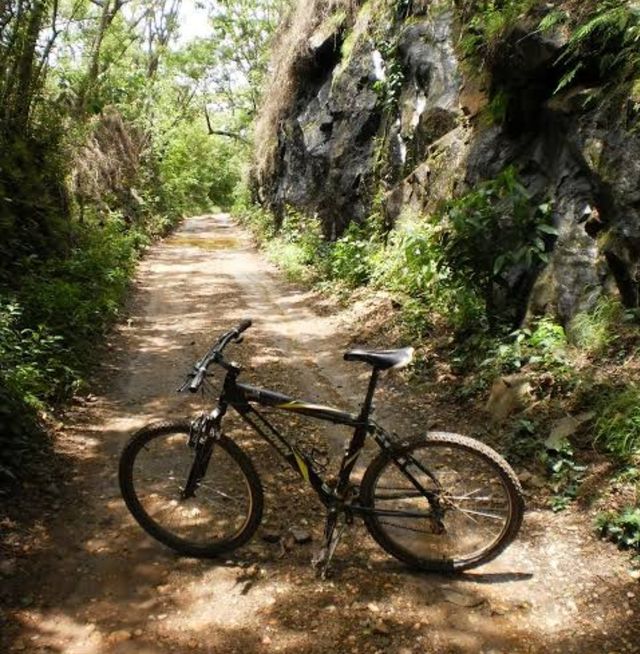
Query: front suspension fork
[202, 440]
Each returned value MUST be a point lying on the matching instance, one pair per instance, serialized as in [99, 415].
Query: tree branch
[222, 132]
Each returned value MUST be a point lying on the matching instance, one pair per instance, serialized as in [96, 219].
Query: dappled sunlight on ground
[99, 585]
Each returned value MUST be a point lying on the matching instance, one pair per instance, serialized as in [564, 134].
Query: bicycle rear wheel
[478, 494]
[223, 512]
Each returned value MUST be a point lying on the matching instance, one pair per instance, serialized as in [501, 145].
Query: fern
[552, 19]
[569, 77]
[612, 35]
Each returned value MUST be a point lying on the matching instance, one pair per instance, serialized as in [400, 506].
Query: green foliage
[621, 527]
[554, 18]
[487, 21]
[609, 36]
[257, 219]
[298, 246]
[30, 357]
[198, 171]
[617, 427]
[413, 264]
[541, 347]
[492, 230]
[49, 326]
[350, 258]
[79, 296]
[595, 330]
[544, 344]
[566, 476]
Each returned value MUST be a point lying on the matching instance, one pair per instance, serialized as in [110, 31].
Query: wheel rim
[474, 497]
[220, 507]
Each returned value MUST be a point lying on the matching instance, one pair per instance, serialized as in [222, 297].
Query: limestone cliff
[375, 105]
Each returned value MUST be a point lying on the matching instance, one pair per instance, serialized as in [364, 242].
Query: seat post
[368, 400]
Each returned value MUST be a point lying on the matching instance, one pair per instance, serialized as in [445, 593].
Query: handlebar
[214, 355]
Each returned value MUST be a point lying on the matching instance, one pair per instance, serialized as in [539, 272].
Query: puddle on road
[205, 243]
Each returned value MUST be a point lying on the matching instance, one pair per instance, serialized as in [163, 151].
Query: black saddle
[382, 359]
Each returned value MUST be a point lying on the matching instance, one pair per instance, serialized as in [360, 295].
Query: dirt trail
[98, 585]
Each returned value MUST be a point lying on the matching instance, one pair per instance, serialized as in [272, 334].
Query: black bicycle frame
[242, 397]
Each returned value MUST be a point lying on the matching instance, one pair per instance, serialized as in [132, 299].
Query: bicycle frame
[243, 397]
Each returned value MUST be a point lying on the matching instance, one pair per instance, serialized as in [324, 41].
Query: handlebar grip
[197, 380]
[243, 326]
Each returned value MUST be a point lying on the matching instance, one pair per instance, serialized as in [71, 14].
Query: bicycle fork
[202, 441]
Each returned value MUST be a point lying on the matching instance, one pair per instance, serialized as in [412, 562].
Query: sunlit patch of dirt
[204, 243]
[91, 582]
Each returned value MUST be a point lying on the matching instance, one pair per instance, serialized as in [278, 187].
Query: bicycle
[439, 502]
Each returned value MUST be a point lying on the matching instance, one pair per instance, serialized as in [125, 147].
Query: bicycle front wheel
[475, 511]
[220, 514]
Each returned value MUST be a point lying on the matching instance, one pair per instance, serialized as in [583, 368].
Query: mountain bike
[438, 501]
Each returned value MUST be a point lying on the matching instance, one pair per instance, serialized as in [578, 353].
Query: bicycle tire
[378, 527]
[132, 483]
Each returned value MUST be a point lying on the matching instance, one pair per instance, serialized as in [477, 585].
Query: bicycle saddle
[382, 359]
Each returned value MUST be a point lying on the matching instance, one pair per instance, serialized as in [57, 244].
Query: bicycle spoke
[480, 513]
[219, 492]
[222, 503]
[463, 484]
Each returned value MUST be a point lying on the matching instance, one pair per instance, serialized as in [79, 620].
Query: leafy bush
[79, 296]
[566, 476]
[49, 326]
[257, 219]
[412, 265]
[621, 527]
[543, 344]
[489, 233]
[351, 256]
[617, 427]
[487, 21]
[31, 357]
[298, 246]
[198, 171]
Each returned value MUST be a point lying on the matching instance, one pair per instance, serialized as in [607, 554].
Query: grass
[617, 428]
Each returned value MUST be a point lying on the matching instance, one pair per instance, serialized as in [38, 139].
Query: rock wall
[412, 120]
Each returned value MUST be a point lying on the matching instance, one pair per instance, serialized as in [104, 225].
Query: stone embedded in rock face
[509, 394]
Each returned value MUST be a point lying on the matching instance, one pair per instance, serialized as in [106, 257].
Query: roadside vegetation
[112, 128]
[454, 275]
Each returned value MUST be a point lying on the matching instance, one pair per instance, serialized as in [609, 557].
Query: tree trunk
[20, 104]
[109, 11]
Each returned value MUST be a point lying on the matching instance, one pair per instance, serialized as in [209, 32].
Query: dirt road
[94, 583]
